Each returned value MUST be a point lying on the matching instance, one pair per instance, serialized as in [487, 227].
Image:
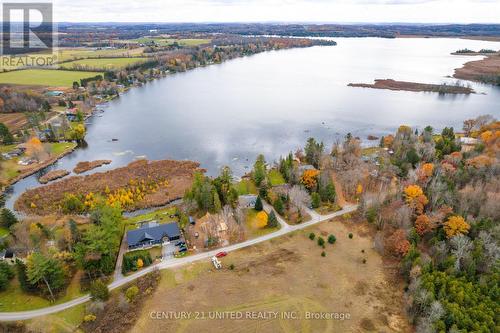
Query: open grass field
[44, 77]
[160, 215]
[102, 63]
[288, 276]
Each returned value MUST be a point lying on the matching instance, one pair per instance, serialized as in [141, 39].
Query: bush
[72, 204]
[258, 204]
[231, 267]
[312, 236]
[332, 239]
[89, 318]
[351, 235]
[131, 293]
[99, 291]
[323, 254]
[321, 241]
[364, 261]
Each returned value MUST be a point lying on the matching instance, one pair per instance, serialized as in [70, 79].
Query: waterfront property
[152, 233]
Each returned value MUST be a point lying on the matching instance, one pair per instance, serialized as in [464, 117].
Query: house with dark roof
[152, 234]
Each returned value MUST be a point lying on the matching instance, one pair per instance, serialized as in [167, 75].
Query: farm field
[14, 121]
[44, 77]
[167, 41]
[102, 63]
[65, 54]
[287, 274]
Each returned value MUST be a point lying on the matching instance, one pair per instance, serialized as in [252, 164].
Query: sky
[336, 11]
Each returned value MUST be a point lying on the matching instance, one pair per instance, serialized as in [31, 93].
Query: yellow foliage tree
[261, 219]
[456, 225]
[309, 178]
[140, 263]
[415, 198]
[359, 189]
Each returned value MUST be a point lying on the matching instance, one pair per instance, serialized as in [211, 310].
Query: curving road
[175, 262]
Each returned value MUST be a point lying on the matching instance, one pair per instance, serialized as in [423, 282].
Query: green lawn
[245, 186]
[44, 77]
[275, 177]
[370, 150]
[59, 147]
[102, 63]
[160, 215]
[250, 224]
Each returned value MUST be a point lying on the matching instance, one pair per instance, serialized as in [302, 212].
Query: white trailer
[216, 262]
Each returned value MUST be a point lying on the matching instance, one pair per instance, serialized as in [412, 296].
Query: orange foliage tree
[423, 225]
[415, 198]
[310, 179]
[456, 225]
[34, 148]
[398, 244]
[427, 169]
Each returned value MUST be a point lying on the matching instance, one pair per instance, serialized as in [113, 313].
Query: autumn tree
[456, 225]
[261, 219]
[34, 148]
[398, 244]
[423, 224]
[415, 198]
[310, 179]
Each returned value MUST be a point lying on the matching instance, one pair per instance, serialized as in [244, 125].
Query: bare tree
[299, 197]
[461, 247]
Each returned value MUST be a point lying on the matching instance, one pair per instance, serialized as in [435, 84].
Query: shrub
[89, 318]
[72, 204]
[312, 236]
[258, 204]
[231, 267]
[131, 293]
[350, 235]
[321, 241]
[99, 290]
[323, 254]
[332, 239]
[364, 261]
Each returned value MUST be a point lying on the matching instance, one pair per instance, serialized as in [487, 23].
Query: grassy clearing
[246, 186]
[102, 63]
[66, 321]
[14, 299]
[275, 178]
[287, 274]
[251, 225]
[44, 77]
[371, 150]
[160, 215]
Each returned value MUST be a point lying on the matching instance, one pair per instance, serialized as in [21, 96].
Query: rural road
[176, 262]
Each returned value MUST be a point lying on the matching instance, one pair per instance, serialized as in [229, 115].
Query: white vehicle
[216, 262]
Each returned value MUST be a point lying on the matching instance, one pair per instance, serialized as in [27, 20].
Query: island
[486, 70]
[413, 86]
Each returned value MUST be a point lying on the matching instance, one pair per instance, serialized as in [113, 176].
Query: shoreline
[484, 70]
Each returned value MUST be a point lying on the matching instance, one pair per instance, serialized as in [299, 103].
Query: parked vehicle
[216, 262]
[221, 254]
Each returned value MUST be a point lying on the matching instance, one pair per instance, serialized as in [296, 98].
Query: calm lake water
[272, 102]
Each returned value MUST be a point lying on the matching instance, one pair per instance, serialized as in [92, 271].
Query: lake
[272, 102]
